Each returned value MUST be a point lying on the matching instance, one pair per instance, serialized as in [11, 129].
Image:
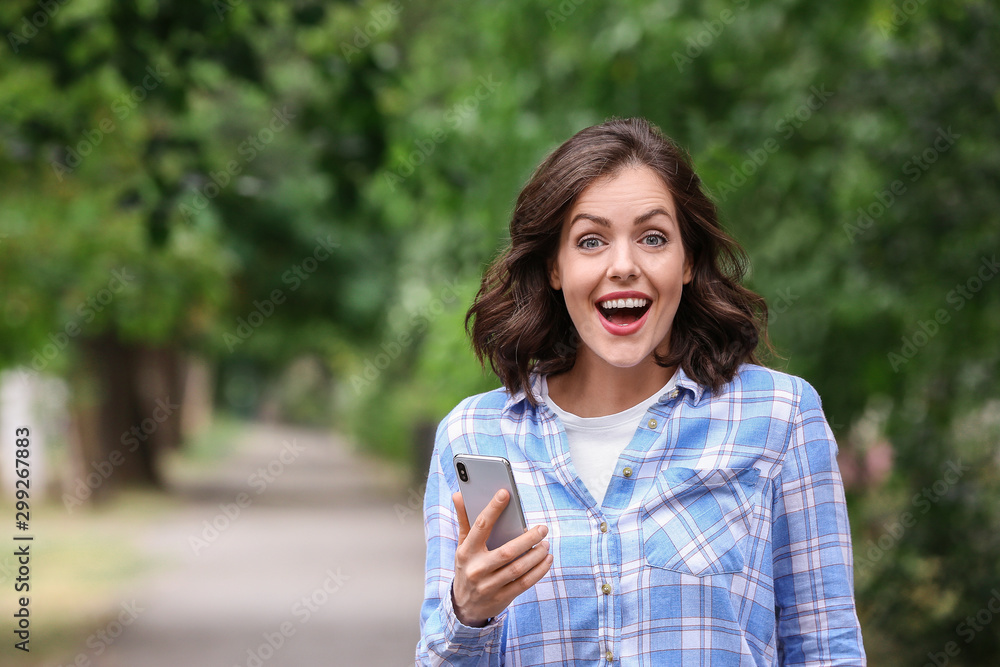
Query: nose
[623, 264]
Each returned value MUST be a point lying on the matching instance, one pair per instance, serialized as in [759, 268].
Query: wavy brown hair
[520, 323]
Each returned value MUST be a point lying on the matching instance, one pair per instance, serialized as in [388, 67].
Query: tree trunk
[127, 410]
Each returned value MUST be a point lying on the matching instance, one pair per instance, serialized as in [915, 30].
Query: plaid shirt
[722, 540]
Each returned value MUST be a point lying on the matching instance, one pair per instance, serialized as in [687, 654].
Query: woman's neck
[598, 389]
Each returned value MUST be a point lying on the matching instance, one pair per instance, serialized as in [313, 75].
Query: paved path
[319, 569]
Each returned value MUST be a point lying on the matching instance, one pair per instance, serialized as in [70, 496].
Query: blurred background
[238, 240]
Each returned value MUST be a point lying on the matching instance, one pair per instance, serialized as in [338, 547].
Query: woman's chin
[624, 360]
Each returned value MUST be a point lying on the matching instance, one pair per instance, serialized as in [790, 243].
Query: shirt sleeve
[813, 563]
[444, 640]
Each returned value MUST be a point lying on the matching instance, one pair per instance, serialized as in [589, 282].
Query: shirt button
[627, 472]
[652, 423]
[610, 656]
[604, 526]
[606, 589]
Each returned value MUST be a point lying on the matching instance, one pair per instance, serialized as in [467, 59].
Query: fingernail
[545, 543]
[502, 494]
[543, 530]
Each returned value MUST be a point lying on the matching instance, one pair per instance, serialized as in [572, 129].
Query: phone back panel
[487, 475]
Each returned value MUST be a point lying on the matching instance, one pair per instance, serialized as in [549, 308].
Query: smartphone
[479, 478]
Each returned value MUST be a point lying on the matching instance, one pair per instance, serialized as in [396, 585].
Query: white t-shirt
[595, 443]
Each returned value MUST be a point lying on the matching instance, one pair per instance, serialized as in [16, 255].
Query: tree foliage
[852, 147]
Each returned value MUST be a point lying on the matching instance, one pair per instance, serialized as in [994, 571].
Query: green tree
[797, 115]
[210, 156]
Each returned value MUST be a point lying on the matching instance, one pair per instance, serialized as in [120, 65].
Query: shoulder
[754, 382]
[760, 378]
[475, 414]
[789, 403]
[488, 404]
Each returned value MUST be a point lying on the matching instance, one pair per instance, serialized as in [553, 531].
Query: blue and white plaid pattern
[726, 540]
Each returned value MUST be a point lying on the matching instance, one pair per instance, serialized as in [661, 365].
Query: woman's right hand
[487, 581]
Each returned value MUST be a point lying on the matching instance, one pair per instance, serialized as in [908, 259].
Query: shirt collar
[683, 382]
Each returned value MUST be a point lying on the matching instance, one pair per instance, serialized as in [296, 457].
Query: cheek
[577, 284]
[674, 273]
[577, 296]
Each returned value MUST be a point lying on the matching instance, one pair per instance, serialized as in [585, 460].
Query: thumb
[463, 517]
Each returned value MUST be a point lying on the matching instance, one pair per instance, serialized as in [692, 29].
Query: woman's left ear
[554, 280]
[687, 270]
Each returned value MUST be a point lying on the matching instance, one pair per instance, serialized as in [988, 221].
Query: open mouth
[622, 312]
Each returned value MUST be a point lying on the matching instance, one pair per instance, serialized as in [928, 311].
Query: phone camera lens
[462, 473]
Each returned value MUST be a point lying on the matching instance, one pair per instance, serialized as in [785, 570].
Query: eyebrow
[607, 223]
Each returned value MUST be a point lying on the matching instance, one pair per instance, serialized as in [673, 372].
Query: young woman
[684, 503]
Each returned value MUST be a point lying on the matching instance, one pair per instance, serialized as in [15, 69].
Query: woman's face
[621, 267]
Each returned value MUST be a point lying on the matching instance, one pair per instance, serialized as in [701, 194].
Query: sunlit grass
[79, 563]
[85, 560]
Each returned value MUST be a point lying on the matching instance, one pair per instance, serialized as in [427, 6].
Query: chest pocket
[692, 520]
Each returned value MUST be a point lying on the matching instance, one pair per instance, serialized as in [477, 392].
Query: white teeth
[624, 303]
